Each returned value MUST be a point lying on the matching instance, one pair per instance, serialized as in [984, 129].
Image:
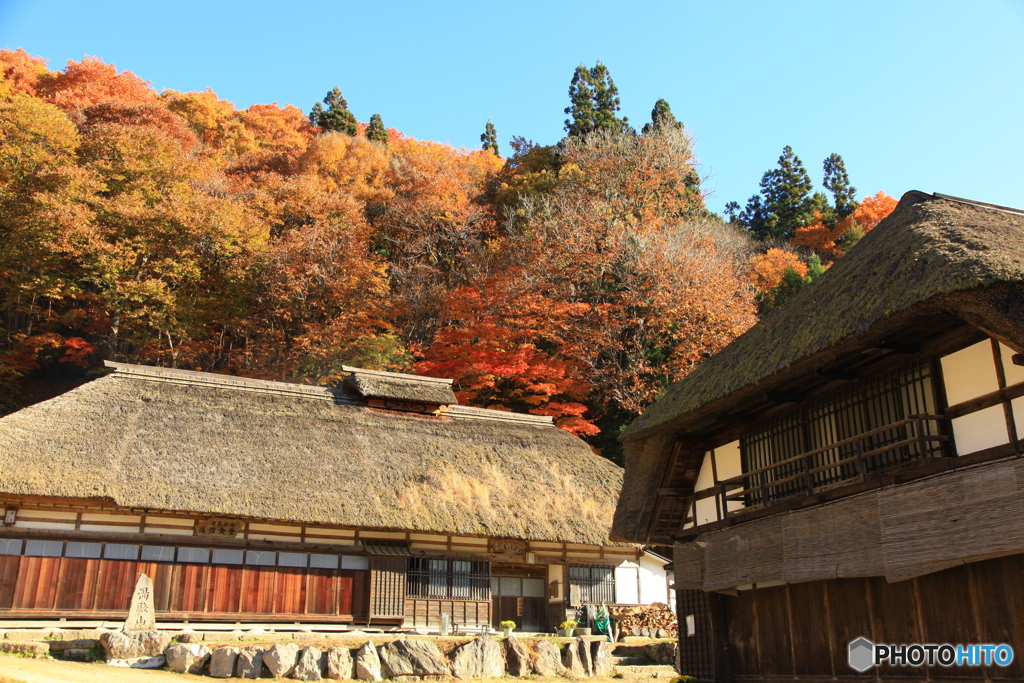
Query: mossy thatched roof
[198, 443]
[929, 246]
[393, 385]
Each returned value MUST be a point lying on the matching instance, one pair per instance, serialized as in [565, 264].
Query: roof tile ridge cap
[130, 370]
[399, 376]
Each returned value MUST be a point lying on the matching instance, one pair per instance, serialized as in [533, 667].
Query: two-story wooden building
[851, 466]
[383, 502]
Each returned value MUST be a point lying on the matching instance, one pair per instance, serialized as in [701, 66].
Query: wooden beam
[905, 348]
[683, 492]
[842, 375]
[787, 396]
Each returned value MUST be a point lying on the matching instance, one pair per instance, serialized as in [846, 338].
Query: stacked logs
[650, 621]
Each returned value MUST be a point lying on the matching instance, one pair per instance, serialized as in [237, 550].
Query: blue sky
[913, 94]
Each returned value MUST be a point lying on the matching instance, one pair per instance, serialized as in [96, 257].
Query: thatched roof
[929, 246]
[202, 443]
[392, 385]
[935, 258]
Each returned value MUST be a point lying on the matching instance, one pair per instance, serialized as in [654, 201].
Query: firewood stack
[650, 621]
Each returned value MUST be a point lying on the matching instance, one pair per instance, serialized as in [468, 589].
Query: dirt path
[23, 669]
[18, 669]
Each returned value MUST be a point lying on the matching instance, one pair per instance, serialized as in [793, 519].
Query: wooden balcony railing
[912, 440]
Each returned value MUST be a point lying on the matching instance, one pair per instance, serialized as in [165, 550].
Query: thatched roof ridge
[402, 387]
[202, 443]
[931, 245]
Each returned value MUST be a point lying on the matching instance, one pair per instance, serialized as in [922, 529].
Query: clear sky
[914, 94]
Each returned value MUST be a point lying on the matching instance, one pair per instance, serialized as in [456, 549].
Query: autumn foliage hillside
[173, 229]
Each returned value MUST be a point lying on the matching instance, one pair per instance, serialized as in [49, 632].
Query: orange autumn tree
[20, 73]
[92, 81]
[501, 366]
[833, 242]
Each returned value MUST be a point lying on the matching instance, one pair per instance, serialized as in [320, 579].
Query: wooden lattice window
[878, 408]
[593, 583]
[449, 578]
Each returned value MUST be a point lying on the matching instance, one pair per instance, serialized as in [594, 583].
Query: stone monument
[142, 613]
[138, 644]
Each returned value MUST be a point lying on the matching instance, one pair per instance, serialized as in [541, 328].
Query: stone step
[633, 660]
[645, 672]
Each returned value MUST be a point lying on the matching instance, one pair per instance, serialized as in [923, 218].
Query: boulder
[549, 660]
[189, 637]
[187, 658]
[601, 652]
[309, 667]
[577, 658]
[133, 644]
[479, 658]
[367, 663]
[412, 658]
[250, 663]
[339, 664]
[281, 659]
[27, 648]
[75, 634]
[222, 662]
[517, 658]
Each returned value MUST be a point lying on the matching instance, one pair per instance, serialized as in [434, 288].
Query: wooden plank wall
[426, 612]
[387, 586]
[802, 631]
[64, 586]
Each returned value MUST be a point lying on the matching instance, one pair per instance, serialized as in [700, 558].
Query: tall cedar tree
[490, 138]
[837, 181]
[336, 117]
[376, 131]
[662, 117]
[785, 203]
[594, 101]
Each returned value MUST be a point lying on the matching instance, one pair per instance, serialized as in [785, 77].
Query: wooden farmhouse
[382, 504]
[851, 466]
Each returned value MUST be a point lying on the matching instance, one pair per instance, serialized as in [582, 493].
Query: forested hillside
[576, 279]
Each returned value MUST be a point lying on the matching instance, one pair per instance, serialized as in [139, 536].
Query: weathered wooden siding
[45, 587]
[802, 631]
[426, 612]
[899, 532]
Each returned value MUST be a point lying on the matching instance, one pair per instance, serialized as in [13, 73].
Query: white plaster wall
[980, 430]
[1014, 373]
[627, 583]
[705, 480]
[653, 582]
[727, 459]
[969, 373]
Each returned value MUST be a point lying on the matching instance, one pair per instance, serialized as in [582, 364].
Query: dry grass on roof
[164, 446]
[923, 249]
[373, 386]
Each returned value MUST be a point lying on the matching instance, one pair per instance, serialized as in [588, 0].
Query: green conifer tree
[837, 181]
[661, 117]
[336, 116]
[784, 204]
[593, 102]
[376, 131]
[490, 138]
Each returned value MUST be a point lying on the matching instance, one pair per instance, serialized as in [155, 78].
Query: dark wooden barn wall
[64, 586]
[803, 630]
[426, 612]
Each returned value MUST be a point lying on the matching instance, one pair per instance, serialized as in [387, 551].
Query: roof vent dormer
[401, 392]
